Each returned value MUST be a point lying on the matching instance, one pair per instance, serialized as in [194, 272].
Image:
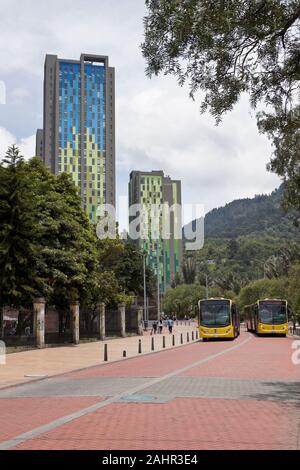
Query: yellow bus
[218, 318]
[267, 317]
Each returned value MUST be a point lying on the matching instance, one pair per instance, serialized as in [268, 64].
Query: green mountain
[262, 215]
[246, 240]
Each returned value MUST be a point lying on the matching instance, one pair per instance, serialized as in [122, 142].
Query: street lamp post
[144, 254]
[206, 282]
[145, 287]
[158, 284]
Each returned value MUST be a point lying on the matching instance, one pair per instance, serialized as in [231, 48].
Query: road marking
[11, 443]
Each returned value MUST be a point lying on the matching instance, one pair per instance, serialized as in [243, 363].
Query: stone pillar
[74, 312]
[139, 314]
[122, 319]
[101, 314]
[39, 322]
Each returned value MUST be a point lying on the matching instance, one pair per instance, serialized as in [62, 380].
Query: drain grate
[140, 398]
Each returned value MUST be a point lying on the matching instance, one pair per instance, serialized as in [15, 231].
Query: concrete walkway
[33, 365]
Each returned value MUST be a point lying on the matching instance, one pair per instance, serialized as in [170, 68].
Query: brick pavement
[180, 424]
[219, 395]
[53, 361]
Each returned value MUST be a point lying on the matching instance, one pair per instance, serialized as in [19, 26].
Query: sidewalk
[32, 365]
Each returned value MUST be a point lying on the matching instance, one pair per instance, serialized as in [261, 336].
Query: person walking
[170, 325]
[154, 328]
[160, 326]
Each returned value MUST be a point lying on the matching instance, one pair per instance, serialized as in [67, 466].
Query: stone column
[101, 314]
[139, 314]
[39, 322]
[74, 312]
[122, 319]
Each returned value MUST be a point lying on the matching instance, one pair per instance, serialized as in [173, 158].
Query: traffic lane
[89, 410]
[160, 363]
[19, 415]
[263, 358]
[181, 424]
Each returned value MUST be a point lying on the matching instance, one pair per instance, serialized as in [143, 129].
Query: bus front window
[215, 314]
[273, 313]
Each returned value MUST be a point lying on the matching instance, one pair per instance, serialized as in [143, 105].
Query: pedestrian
[170, 325]
[154, 328]
[160, 326]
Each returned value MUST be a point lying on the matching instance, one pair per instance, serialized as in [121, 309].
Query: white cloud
[19, 95]
[215, 164]
[158, 126]
[26, 145]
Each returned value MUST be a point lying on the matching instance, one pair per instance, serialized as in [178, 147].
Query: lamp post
[158, 283]
[144, 254]
[145, 286]
[206, 285]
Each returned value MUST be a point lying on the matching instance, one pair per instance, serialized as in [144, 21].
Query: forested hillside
[246, 240]
[262, 214]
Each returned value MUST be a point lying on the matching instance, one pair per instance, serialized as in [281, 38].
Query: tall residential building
[150, 190]
[79, 126]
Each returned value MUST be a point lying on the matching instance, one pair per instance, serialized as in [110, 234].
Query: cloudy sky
[158, 126]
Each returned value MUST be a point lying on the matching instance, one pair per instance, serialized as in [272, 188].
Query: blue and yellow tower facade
[79, 126]
[159, 198]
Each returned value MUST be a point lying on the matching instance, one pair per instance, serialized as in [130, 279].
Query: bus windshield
[215, 313]
[272, 313]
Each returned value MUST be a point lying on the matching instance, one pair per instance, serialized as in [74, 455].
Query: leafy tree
[294, 288]
[65, 244]
[226, 48]
[177, 280]
[278, 264]
[232, 248]
[17, 231]
[189, 270]
[264, 288]
[183, 300]
[130, 273]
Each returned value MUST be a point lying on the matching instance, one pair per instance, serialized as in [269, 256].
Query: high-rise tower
[153, 190]
[79, 126]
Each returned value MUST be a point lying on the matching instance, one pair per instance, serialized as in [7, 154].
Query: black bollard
[105, 353]
[164, 342]
[173, 340]
[140, 346]
[181, 338]
[197, 335]
[188, 337]
[152, 345]
[193, 336]
[124, 354]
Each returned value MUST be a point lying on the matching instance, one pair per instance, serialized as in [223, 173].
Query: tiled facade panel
[95, 138]
[69, 158]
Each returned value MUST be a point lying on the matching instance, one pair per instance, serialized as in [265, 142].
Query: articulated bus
[267, 317]
[218, 318]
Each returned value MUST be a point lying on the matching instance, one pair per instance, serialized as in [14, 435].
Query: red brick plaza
[218, 395]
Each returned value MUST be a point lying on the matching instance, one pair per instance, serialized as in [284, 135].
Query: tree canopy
[227, 48]
[49, 249]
